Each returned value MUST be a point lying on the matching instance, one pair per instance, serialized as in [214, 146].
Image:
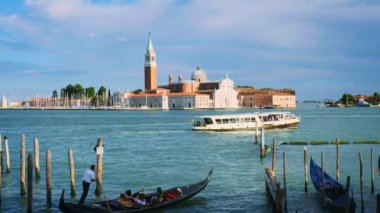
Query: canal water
[147, 149]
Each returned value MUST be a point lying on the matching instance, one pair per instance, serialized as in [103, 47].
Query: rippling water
[157, 148]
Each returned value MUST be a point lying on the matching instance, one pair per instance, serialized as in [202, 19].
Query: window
[233, 120]
[247, 120]
[208, 121]
[225, 121]
[218, 121]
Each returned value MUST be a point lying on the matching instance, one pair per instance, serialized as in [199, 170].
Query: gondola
[172, 196]
[334, 193]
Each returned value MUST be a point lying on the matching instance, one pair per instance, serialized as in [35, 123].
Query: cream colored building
[189, 101]
[284, 101]
[4, 102]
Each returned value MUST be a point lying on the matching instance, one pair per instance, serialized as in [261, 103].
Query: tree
[109, 103]
[102, 95]
[90, 92]
[138, 91]
[347, 98]
[63, 92]
[376, 96]
[70, 91]
[55, 94]
[78, 90]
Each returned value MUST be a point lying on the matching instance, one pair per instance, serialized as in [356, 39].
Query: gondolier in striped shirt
[88, 177]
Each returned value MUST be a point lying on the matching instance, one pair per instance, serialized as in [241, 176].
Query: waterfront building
[256, 98]
[50, 103]
[196, 93]
[4, 102]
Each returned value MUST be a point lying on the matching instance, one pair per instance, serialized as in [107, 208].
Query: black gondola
[335, 193]
[177, 194]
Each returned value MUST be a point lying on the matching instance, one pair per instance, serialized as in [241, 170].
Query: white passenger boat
[246, 121]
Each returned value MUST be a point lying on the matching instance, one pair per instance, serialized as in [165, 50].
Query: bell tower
[150, 67]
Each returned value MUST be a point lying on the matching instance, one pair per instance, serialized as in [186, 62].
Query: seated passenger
[126, 199]
[158, 198]
[140, 198]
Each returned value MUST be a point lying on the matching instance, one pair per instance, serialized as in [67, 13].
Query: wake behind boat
[171, 196]
[334, 193]
[247, 121]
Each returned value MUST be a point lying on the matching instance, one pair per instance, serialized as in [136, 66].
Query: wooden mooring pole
[30, 183]
[22, 166]
[337, 159]
[372, 173]
[48, 177]
[257, 134]
[262, 147]
[305, 165]
[7, 154]
[378, 203]
[361, 181]
[284, 177]
[72, 173]
[348, 197]
[274, 158]
[37, 158]
[99, 168]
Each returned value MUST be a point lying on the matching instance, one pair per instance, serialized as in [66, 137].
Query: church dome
[198, 75]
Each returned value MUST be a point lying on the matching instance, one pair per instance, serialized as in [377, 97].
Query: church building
[195, 93]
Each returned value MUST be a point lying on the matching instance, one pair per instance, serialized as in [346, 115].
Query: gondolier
[88, 177]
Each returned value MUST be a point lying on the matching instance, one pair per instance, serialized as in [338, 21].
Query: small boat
[248, 121]
[335, 192]
[363, 103]
[172, 196]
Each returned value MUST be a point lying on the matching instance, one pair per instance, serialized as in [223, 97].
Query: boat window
[208, 121]
[233, 120]
[218, 121]
[225, 121]
[253, 119]
[247, 120]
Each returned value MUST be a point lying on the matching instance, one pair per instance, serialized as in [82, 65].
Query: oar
[104, 194]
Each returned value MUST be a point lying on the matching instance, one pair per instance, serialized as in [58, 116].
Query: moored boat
[171, 196]
[247, 121]
[363, 103]
[334, 193]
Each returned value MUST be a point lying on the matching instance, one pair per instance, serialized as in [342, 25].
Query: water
[157, 148]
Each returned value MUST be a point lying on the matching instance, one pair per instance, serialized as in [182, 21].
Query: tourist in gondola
[140, 198]
[88, 177]
[159, 198]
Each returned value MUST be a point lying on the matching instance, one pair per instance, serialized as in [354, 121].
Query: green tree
[63, 92]
[55, 94]
[109, 102]
[347, 98]
[138, 91]
[78, 91]
[376, 96]
[70, 91]
[102, 95]
[90, 92]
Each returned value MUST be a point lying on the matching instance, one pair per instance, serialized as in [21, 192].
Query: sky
[321, 49]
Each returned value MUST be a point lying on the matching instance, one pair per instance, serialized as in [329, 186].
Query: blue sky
[321, 49]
